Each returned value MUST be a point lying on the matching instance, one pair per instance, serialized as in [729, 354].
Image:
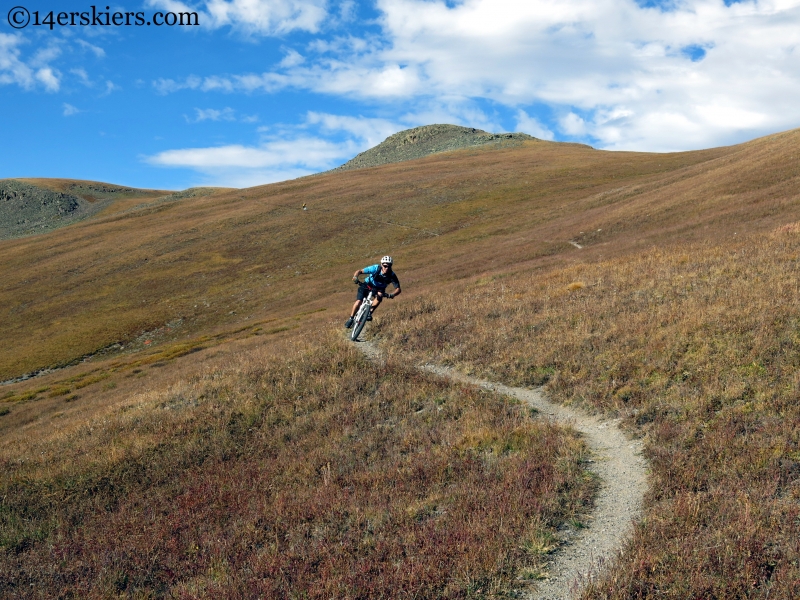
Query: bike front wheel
[361, 318]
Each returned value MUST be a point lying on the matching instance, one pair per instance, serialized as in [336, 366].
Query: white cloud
[717, 115]
[369, 132]
[49, 78]
[292, 59]
[111, 87]
[268, 82]
[277, 160]
[44, 56]
[608, 72]
[167, 86]
[96, 50]
[70, 110]
[14, 70]
[455, 110]
[263, 17]
[704, 68]
[625, 76]
[225, 114]
[532, 126]
[321, 142]
[211, 114]
[285, 152]
[573, 125]
[347, 10]
[82, 75]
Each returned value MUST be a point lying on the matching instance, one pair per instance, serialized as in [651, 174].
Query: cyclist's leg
[376, 302]
[363, 292]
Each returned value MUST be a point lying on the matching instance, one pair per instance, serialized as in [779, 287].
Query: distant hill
[26, 209]
[430, 139]
[35, 206]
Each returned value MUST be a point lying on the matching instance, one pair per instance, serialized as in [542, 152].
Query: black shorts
[363, 291]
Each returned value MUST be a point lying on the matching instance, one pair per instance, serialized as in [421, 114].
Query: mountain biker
[379, 276]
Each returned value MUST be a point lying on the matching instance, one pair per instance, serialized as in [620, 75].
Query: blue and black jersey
[378, 279]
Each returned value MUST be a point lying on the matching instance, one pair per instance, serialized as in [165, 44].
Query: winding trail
[621, 468]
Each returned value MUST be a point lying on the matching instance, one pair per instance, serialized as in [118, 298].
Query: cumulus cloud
[70, 110]
[617, 74]
[308, 152]
[573, 125]
[236, 165]
[347, 10]
[322, 141]
[263, 17]
[454, 110]
[292, 59]
[36, 71]
[49, 78]
[368, 131]
[532, 126]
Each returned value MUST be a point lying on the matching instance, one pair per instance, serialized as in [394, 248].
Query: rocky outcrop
[26, 209]
[430, 139]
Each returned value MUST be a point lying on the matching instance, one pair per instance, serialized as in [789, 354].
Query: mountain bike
[363, 312]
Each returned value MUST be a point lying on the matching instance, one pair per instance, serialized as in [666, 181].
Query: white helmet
[386, 260]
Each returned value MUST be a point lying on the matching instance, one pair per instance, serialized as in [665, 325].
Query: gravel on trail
[617, 460]
[622, 470]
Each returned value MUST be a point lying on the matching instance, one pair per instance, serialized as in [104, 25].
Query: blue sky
[268, 90]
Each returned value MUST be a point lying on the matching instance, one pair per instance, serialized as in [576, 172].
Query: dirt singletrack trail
[617, 461]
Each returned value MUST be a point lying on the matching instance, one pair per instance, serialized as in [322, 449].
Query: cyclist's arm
[396, 284]
[366, 271]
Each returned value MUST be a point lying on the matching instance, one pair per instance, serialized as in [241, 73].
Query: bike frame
[361, 316]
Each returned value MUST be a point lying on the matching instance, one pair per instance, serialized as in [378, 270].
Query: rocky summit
[430, 139]
[27, 209]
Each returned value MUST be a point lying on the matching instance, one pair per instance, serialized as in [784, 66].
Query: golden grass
[297, 471]
[218, 260]
[696, 347]
[678, 314]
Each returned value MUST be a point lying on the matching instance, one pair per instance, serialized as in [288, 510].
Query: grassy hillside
[222, 259]
[296, 469]
[696, 347]
[661, 288]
